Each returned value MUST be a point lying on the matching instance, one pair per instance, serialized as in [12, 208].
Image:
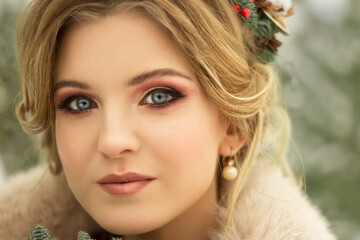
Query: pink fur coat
[270, 207]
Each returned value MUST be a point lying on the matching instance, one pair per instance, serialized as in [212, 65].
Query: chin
[129, 227]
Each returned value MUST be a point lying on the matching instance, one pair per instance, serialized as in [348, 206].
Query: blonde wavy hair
[217, 45]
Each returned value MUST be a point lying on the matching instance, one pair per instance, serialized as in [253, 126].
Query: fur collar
[269, 207]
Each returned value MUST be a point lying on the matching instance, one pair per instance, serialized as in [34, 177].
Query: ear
[231, 142]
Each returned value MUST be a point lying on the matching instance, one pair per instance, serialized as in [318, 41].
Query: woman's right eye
[77, 104]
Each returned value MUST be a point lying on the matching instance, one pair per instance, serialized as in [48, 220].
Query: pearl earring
[229, 172]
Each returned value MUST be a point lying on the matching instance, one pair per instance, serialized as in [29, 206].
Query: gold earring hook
[225, 161]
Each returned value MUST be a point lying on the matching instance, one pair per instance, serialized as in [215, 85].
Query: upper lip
[123, 178]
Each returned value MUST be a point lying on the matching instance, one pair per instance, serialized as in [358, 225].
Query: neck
[193, 224]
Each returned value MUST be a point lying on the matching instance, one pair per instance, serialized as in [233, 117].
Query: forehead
[127, 42]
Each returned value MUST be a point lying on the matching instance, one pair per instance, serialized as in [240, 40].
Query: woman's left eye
[161, 97]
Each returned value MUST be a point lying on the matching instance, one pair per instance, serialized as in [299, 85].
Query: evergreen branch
[84, 236]
[38, 232]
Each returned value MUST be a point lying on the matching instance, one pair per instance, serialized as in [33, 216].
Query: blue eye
[161, 97]
[157, 97]
[77, 104]
[80, 104]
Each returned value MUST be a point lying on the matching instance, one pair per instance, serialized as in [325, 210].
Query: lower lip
[124, 188]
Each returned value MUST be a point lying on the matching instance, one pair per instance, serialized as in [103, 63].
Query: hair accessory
[229, 171]
[265, 19]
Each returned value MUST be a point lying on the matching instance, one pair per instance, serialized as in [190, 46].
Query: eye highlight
[161, 97]
[77, 104]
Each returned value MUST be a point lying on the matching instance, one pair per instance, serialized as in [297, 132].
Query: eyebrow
[138, 79]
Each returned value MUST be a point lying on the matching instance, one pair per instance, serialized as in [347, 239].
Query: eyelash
[175, 94]
[65, 105]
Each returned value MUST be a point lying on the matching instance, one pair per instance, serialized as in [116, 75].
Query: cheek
[188, 141]
[75, 142]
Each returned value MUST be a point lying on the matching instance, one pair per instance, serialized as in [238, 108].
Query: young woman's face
[110, 122]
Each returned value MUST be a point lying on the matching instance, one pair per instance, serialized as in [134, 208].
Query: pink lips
[125, 184]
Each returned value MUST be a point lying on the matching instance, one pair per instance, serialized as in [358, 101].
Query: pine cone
[270, 43]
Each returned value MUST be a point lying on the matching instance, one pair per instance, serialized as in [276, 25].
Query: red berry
[252, 0]
[236, 8]
[245, 12]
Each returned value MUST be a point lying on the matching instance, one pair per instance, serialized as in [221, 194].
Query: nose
[116, 135]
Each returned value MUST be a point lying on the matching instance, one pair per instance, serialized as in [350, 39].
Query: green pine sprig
[252, 20]
[84, 236]
[260, 26]
[38, 232]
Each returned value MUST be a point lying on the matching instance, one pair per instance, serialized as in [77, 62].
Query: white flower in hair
[281, 7]
[276, 10]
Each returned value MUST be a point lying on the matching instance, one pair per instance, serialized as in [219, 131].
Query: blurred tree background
[320, 67]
